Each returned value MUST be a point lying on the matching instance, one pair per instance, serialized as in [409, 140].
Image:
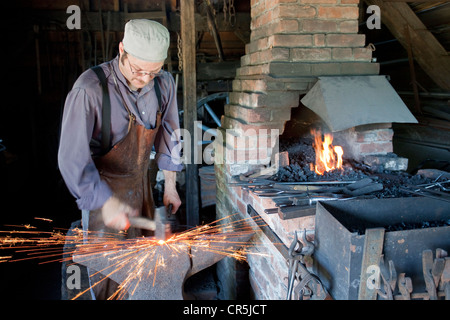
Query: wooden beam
[188, 31]
[427, 51]
[90, 20]
[213, 29]
[412, 71]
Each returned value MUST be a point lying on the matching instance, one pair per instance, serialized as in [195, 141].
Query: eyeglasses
[143, 73]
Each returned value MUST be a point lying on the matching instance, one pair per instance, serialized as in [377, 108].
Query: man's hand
[115, 214]
[170, 191]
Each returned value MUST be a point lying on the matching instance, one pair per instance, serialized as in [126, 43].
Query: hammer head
[163, 222]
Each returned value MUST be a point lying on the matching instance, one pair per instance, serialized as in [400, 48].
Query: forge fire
[328, 157]
[314, 158]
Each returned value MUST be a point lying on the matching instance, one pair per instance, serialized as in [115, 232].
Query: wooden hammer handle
[142, 223]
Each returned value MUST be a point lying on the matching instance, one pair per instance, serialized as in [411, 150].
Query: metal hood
[349, 101]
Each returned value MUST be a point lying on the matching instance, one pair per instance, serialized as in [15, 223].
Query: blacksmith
[104, 155]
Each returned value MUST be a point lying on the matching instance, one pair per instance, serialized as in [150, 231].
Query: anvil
[160, 271]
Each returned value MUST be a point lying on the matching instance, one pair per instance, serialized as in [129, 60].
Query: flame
[328, 157]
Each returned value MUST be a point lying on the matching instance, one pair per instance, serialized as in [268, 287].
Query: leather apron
[125, 169]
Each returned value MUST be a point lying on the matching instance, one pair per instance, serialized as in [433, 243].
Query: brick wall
[292, 43]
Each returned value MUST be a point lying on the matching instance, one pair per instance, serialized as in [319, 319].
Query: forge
[301, 81]
[340, 186]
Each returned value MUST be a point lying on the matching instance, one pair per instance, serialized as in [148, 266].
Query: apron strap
[158, 93]
[106, 110]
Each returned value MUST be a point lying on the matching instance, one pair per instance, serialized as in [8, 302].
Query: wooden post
[190, 107]
[373, 249]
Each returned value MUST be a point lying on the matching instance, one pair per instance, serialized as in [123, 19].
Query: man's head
[143, 51]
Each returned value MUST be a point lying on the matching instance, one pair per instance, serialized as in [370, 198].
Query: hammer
[161, 225]
[163, 222]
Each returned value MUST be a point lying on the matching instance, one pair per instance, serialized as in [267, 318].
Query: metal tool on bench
[433, 194]
[163, 224]
[272, 192]
[264, 181]
[311, 199]
[288, 192]
[358, 188]
[294, 203]
[361, 187]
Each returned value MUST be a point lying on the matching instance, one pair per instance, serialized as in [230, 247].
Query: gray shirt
[81, 129]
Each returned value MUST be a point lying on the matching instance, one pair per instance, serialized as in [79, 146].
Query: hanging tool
[389, 277]
[405, 286]
[445, 279]
[427, 265]
[295, 256]
[309, 285]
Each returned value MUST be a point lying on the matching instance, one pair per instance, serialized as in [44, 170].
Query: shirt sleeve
[167, 141]
[74, 156]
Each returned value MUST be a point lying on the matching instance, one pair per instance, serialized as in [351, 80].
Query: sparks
[49, 246]
[43, 219]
